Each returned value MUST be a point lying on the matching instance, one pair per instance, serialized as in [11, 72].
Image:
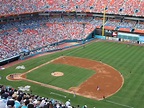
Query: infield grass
[128, 60]
[73, 76]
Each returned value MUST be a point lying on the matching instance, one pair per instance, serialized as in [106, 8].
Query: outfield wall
[58, 49]
[26, 53]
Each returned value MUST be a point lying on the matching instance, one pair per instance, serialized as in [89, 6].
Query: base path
[106, 82]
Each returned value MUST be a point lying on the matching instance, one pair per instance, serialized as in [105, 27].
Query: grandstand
[19, 36]
[121, 7]
[32, 27]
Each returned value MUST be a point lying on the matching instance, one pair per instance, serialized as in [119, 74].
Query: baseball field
[115, 68]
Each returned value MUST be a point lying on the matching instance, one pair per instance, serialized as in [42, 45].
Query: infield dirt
[106, 78]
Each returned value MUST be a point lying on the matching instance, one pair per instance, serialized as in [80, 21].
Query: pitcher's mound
[57, 74]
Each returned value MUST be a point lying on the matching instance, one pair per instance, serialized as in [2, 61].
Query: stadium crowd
[140, 25]
[122, 7]
[31, 34]
[12, 98]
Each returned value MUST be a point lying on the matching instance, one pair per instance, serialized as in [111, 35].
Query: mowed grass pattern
[73, 76]
[128, 60]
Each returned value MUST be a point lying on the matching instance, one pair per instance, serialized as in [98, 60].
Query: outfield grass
[128, 60]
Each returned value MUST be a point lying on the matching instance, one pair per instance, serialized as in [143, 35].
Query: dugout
[8, 60]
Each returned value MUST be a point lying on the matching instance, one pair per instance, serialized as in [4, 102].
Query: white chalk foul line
[40, 66]
[58, 94]
[119, 104]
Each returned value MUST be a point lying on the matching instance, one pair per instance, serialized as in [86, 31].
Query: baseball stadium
[71, 53]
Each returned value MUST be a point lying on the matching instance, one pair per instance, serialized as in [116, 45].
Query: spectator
[10, 103]
[30, 106]
[68, 103]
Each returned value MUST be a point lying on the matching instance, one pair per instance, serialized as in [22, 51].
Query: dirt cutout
[16, 76]
[106, 82]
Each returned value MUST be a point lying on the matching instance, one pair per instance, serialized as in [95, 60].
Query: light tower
[104, 14]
